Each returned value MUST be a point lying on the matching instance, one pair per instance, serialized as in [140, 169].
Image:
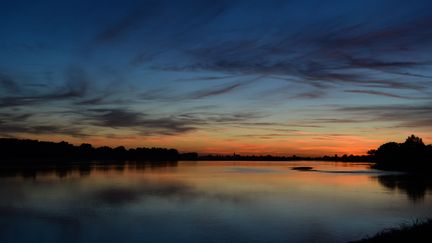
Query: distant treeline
[29, 150]
[411, 155]
[17, 149]
[236, 157]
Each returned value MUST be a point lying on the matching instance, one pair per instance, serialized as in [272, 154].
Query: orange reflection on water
[237, 198]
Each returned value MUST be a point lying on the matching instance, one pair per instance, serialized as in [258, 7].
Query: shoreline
[418, 231]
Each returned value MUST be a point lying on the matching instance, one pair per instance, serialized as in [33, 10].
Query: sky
[304, 77]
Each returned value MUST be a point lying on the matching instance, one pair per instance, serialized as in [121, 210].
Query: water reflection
[85, 169]
[415, 186]
[118, 196]
[200, 202]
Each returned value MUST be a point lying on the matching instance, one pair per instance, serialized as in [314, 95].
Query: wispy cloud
[143, 68]
[22, 123]
[124, 118]
[75, 86]
[128, 22]
[380, 93]
[217, 91]
[403, 115]
[337, 53]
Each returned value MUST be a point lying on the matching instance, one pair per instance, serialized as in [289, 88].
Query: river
[204, 201]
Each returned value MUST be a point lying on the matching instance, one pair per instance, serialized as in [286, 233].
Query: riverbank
[420, 231]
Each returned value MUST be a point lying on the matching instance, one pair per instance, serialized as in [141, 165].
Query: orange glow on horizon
[206, 143]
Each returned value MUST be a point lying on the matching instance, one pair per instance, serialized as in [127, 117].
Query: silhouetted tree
[413, 154]
[414, 141]
[30, 150]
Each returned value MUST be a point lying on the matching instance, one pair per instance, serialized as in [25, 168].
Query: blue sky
[283, 77]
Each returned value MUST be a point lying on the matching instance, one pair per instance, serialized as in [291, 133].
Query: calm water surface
[207, 202]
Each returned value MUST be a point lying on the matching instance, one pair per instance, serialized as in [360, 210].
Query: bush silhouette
[412, 155]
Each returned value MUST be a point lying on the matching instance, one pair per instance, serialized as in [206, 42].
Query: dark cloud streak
[75, 86]
[403, 115]
[217, 91]
[380, 93]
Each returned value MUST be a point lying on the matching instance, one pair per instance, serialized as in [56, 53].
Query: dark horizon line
[411, 155]
[88, 151]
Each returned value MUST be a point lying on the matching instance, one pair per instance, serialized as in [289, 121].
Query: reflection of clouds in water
[216, 201]
[311, 169]
[348, 171]
[117, 196]
[172, 190]
[250, 170]
[414, 186]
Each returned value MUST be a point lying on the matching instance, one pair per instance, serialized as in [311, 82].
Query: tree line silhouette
[411, 155]
[237, 157]
[17, 149]
[25, 149]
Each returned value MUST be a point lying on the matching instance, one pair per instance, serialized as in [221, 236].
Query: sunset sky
[250, 77]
